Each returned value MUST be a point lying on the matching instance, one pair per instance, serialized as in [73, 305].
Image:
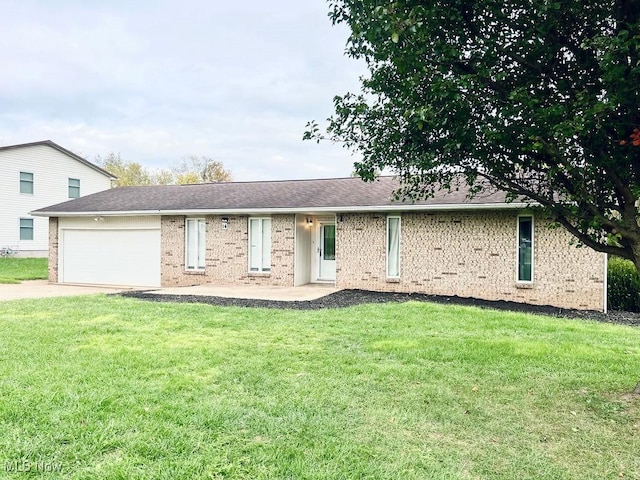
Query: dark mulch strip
[348, 298]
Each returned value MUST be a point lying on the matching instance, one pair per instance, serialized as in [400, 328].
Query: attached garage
[110, 251]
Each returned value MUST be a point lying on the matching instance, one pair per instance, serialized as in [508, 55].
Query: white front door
[327, 251]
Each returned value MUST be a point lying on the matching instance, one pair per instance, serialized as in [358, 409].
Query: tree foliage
[128, 173]
[191, 169]
[537, 98]
[194, 169]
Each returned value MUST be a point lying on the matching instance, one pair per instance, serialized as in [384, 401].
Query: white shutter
[266, 244]
[192, 244]
[254, 244]
[202, 244]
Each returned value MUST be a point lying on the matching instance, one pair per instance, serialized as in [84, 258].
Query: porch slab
[307, 292]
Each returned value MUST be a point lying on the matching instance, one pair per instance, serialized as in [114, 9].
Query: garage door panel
[111, 257]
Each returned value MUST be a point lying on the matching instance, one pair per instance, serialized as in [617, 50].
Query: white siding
[51, 172]
[302, 273]
[106, 223]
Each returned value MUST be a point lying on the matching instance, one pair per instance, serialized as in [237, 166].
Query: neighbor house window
[195, 244]
[26, 229]
[525, 249]
[74, 188]
[26, 182]
[259, 244]
[393, 247]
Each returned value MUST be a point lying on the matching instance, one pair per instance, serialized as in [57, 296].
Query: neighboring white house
[33, 176]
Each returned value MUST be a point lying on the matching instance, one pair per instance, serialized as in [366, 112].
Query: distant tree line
[192, 169]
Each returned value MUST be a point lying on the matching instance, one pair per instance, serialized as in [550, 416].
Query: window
[196, 246]
[525, 249]
[393, 247]
[26, 182]
[26, 229]
[329, 242]
[74, 188]
[259, 244]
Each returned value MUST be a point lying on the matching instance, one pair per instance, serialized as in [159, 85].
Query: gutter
[305, 210]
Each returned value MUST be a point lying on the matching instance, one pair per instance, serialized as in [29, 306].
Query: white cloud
[159, 80]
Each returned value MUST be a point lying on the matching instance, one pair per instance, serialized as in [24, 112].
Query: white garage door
[111, 257]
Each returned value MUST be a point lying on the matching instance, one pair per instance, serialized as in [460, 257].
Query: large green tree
[536, 97]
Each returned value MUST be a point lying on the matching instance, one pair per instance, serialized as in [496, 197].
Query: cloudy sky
[158, 80]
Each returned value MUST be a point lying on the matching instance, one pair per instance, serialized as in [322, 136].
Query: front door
[327, 251]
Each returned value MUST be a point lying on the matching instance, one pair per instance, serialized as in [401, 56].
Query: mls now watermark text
[22, 465]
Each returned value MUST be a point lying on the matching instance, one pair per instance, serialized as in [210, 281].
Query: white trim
[33, 230]
[116, 227]
[197, 268]
[69, 187]
[533, 248]
[605, 302]
[306, 210]
[33, 183]
[261, 269]
[399, 246]
[321, 224]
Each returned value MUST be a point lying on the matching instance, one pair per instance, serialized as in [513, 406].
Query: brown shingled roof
[286, 195]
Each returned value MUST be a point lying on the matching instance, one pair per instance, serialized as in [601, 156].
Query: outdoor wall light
[98, 219]
[309, 221]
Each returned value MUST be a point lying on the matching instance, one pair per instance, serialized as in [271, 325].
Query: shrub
[624, 285]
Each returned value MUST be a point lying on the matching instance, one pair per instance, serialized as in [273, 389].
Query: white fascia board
[306, 210]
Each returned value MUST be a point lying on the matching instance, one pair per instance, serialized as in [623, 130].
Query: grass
[114, 388]
[15, 270]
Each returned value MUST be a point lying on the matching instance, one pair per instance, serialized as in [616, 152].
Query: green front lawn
[14, 270]
[107, 387]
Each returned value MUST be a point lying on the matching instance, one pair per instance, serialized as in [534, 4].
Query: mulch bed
[348, 298]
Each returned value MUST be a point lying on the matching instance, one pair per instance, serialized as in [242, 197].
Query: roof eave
[80, 159]
[55, 146]
[306, 210]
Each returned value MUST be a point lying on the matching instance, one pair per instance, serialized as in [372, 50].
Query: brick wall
[172, 244]
[227, 260]
[53, 249]
[470, 254]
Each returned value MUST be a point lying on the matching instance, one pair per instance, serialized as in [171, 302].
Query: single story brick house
[340, 231]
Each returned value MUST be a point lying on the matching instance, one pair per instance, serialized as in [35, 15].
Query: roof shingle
[313, 195]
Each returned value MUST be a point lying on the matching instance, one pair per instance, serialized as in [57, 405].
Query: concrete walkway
[260, 292]
[44, 289]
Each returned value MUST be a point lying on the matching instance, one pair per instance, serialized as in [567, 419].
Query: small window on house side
[525, 249]
[195, 243]
[393, 247]
[26, 229]
[74, 188]
[259, 244]
[26, 183]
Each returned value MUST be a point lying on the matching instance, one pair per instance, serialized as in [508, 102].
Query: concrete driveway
[43, 289]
